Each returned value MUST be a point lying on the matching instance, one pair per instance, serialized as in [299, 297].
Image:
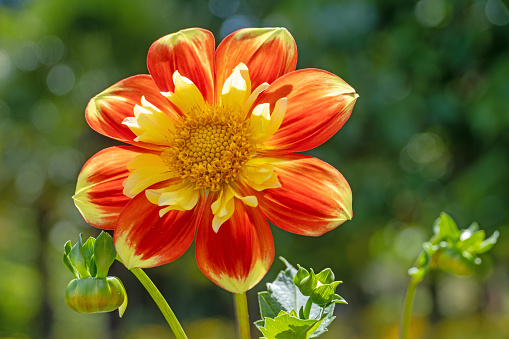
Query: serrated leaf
[283, 295]
[269, 307]
[104, 252]
[327, 318]
[286, 326]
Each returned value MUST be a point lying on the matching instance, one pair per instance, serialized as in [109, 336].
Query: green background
[429, 133]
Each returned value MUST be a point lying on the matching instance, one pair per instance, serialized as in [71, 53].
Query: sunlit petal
[144, 239]
[99, 195]
[239, 254]
[314, 197]
[107, 110]
[268, 53]
[191, 52]
[318, 104]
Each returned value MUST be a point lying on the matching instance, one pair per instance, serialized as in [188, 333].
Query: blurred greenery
[429, 133]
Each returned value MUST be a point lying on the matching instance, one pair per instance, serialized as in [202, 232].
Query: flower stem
[407, 310]
[161, 302]
[242, 315]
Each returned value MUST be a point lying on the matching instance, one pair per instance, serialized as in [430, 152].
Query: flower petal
[268, 53]
[191, 52]
[143, 239]
[107, 110]
[239, 255]
[314, 198]
[318, 104]
[99, 195]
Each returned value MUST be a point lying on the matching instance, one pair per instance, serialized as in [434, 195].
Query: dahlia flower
[213, 138]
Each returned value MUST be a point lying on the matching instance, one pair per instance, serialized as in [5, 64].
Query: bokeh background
[429, 133]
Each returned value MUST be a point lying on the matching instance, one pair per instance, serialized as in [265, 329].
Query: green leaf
[104, 252]
[447, 228]
[487, 244]
[88, 250]
[77, 258]
[471, 241]
[286, 326]
[338, 299]
[67, 262]
[283, 295]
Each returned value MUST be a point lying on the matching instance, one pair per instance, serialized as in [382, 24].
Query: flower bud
[453, 261]
[95, 295]
[324, 294]
[305, 281]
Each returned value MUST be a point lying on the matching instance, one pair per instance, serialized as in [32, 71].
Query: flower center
[210, 147]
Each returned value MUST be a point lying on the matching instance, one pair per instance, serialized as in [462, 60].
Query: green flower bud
[95, 295]
[305, 281]
[324, 294]
[453, 261]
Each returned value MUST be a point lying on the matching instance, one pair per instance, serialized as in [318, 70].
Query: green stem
[407, 310]
[242, 315]
[161, 302]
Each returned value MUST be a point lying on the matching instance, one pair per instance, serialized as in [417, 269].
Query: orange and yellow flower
[214, 136]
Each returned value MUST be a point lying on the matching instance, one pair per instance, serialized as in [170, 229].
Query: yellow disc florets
[209, 147]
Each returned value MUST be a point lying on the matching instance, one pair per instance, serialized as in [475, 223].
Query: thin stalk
[242, 315]
[407, 310]
[161, 303]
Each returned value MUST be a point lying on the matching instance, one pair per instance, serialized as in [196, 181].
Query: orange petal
[107, 110]
[318, 104]
[314, 198]
[144, 239]
[268, 53]
[99, 195]
[189, 51]
[239, 255]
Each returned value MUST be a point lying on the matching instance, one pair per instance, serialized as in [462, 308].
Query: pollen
[210, 147]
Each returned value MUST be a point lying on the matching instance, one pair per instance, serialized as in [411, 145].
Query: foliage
[284, 298]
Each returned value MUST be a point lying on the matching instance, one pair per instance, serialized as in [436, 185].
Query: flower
[214, 135]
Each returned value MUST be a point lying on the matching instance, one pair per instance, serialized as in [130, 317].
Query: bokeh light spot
[45, 116]
[27, 56]
[497, 13]
[430, 12]
[223, 8]
[61, 80]
[234, 23]
[52, 50]
[5, 64]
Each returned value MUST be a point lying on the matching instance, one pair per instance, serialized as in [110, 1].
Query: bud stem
[242, 315]
[161, 302]
[407, 310]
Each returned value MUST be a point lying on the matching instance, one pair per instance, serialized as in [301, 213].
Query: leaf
[283, 295]
[286, 326]
[77, 258]
[487, 244]
[471, 241]
[447, 227]
[67, 262]
[104, 252]
[88, 251]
